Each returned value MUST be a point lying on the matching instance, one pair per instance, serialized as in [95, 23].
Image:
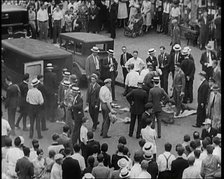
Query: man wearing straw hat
[50, 81]
[188, 67]
[92, 63]
[151, 58]
[175, 57]
[35, 99]
[207, 59]
[109, 70]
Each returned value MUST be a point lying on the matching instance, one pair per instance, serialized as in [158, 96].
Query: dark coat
[24, 168]
[137, 99]
[153, 169]
[128, 56]
[43, 91]
[12, 96]
[70, 169]
[164, 61]
[213, 132]
[178, 166]
[147, 82]
[93, 23]
[156, 95]
[77, 109]
[23, 92]
[172, 56]
[188, 67]
[77, 28]
[90, 66]
[145, 116]
[204, 30]
[92, 95]
[204, 59]
[152, 60]
[89, 147]
[179, 81]
[65, 141]
[203, 92]
[50, 82]
[175, 39]
[105, 69]
[106, 161]
[113, 12]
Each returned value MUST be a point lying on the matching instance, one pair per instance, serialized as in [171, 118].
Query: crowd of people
[194, 157]
[50, 18]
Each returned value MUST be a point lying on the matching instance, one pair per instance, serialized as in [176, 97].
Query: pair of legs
[106, 120]
[132, 124]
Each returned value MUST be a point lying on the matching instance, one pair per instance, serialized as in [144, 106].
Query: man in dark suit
[23, 86]
[77, 113]
[125, 56]
[70, 166]
[137, 99]
[50, 9]
[93, 100]
[208, 131]
[109, 70]
[76, 23]
[203, 92]
[174, 58]
[64, 138]
[92, 63]
[188, 67]
[100, 171]
[175, 39]
[43, 108]
[24, 167]
[179, 164]
[151, 58]
[178, 88]
[113, 9]
[156, 95]
[50, 82]
[163, 60]
[206, 61]
[90, 143]
[11, 102]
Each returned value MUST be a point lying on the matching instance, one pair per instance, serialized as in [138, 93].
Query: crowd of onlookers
[197, 156]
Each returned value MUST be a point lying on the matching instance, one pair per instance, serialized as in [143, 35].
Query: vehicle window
[102, 47]
[70, 46]
[78, 48]
[63, 43]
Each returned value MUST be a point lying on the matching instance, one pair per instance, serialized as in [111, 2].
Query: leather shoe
[107, 136]
[40, 137]
[129, 135]
[159, 137]
[197, 126]
[98, 122]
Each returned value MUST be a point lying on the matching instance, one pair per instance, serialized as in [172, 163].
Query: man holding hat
[92, 63]
[109, 70]
[156, 95]
[151, 58]
[188, 67]
[175, 56]
[208, 130]
[93, 101]
[50, 82]
[106, 100]
[137, 99]
[35, 99]
[203, 92]
[164, 60]
[207, 59]
[178, 88]
[23, 86]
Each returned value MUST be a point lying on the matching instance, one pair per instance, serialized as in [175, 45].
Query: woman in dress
[146, 13]
[83, 15]
[134, 6]
[122, 14]
[38, 163]
[159, 14]
[8, 145]
[93, 17]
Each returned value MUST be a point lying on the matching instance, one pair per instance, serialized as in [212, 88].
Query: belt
[43, 21]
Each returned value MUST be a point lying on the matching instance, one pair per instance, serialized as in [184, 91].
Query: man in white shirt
[164, 162]
[78, 156]
[197, 161]
[138, 62]
[5, 130]
[106, 100]
[56, 171]
[192, 171]
[42, 19]
[13, 154]
[136, 168]
[217, 148]
[132, 78]
[204, 154]
[56, 18]
[35, 99]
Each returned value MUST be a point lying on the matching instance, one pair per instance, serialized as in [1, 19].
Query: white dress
[134, 5]
[122, 10]
[146, 9]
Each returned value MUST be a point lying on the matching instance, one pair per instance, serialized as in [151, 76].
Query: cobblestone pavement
[170, 133]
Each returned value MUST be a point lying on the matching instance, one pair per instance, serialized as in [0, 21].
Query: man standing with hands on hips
[106, 100]
[125, 56]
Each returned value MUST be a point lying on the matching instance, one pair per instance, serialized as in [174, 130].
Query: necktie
[213, 101]
[124, 57]
[176, 59]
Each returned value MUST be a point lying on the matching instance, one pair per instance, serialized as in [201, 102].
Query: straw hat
[95, 49]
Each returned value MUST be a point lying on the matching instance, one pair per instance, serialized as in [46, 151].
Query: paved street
[171, 133]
